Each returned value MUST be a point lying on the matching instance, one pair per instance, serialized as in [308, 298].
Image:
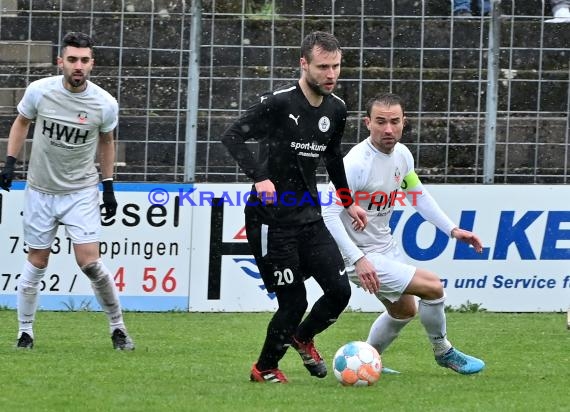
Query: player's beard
[316, 87]
[76, 82]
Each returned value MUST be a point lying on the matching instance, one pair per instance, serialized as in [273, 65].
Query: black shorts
[287, 255]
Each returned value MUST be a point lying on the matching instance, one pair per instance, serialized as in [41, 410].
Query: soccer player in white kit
[377, 169]
[74, 118]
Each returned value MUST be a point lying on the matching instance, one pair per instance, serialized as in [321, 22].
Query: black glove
[7, 173]
[109, 201]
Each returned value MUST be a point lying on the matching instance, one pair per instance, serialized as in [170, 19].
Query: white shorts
[43, 213]
[394, 273]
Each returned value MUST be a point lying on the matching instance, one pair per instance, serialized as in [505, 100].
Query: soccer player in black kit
[296, 126]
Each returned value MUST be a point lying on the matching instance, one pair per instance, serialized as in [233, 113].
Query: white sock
[27, 297]
[432, 316]
[384, 330]
[105, 292]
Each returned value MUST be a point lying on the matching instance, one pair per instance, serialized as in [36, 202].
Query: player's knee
[403, 313]
[94, 270]
[38, 260]
[347, 292]
[292, 300]
[430, 287]
[341, 294]
[435, 290]
[403, 309]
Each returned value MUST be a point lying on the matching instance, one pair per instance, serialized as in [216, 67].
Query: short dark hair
[388, 99]
[77, 39]
[324, 40]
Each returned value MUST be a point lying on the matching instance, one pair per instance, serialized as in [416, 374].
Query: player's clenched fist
[7, 173]
[109, 201]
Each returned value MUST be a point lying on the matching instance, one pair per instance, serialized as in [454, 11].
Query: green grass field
[201, 362]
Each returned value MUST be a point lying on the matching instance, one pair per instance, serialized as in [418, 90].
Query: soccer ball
[357, 364]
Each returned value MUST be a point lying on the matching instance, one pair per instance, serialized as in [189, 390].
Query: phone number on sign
[152, 281]
[50, 283]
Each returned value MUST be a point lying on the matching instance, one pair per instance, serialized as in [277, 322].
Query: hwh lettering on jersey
[58, 131]
[380, 201]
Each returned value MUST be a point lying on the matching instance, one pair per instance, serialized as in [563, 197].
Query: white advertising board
[177, 247]
[525, 265]
[146, 246]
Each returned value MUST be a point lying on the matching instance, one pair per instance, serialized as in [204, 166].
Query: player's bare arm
[468, 237]
[16, 139]
[367, 275]
[106, 154]
[18, 134]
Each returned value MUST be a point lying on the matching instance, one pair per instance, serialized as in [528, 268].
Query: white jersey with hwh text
[66, 133]
[379, 182]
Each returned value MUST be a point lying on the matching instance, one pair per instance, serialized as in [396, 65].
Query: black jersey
[292, 136]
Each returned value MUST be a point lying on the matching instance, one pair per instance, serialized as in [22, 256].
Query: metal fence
[173, 111]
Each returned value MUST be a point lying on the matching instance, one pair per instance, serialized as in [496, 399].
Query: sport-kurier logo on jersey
[324, 124]
[308, 149]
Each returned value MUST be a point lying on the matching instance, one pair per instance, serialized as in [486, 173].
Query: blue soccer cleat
[460, 362]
